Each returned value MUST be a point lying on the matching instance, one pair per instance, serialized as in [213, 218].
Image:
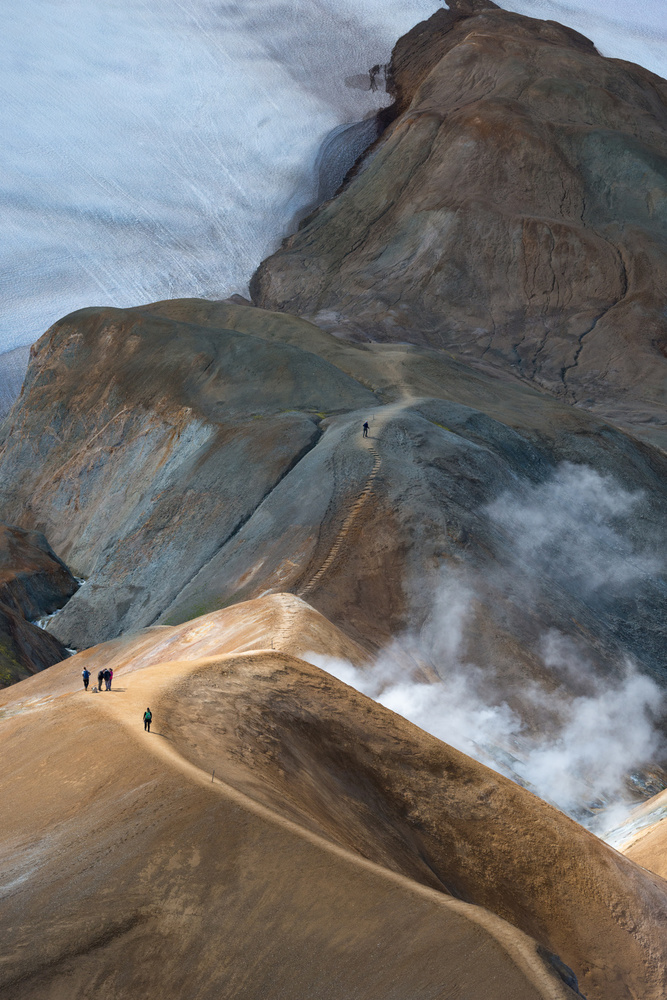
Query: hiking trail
[367, 443]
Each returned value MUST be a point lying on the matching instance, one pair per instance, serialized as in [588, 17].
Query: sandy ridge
[154, 680]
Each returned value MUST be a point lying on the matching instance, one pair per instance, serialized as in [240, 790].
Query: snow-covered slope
[155, 150]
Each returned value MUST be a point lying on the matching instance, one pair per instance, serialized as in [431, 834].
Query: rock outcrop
[34, 582]
[328, 823]
[140, 445]
[13, 366]
[514, 213]
[25, 648]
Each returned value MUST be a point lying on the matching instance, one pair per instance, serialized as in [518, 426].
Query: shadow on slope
[127, 871]
[310, 748]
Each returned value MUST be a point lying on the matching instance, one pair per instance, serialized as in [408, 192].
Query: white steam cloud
[575, 526]
[575, 741]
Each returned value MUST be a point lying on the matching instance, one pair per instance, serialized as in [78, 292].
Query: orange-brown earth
[643, 835]
[337, 850]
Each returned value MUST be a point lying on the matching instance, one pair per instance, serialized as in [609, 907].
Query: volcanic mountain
[196, 454]
[486, 292]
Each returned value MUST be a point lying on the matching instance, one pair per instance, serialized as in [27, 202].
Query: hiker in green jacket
[148, 718]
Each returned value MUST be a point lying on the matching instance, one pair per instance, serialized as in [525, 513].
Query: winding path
[367, 443]
[354, 512]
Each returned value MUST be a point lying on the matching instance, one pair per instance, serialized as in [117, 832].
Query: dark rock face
[340, 151]
[33, 582]
[515, 213]
[24, 648]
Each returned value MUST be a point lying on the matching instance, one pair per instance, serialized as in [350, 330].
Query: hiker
[110, 678]
[107, 682]
[100, 679]
[148, 718]
[86, 677]
[365, 428]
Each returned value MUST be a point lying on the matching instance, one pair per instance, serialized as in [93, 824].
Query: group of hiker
[103, 677]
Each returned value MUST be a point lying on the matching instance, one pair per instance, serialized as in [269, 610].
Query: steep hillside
[140, 445]
[185, 467]
[34, 582]
[329, 824]
[513, 213]
[25, 648]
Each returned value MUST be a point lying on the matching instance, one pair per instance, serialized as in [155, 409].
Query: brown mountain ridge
[513, 213]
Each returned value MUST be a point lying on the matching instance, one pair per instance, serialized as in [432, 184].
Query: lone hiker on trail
[365, 428]
[86, 677]
[148, 718]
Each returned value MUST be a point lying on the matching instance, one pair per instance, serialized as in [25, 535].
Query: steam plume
[596, 726]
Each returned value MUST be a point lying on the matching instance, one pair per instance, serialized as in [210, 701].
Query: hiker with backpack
[86, 678]
[107, 679]
[148, 718]
[100, 679]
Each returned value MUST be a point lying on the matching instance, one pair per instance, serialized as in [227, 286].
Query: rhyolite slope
[278, 833]
[25, 649]
[328, 823]
[140, 445]
[514, 213]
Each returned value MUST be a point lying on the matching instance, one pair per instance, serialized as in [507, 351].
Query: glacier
[159, 150]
